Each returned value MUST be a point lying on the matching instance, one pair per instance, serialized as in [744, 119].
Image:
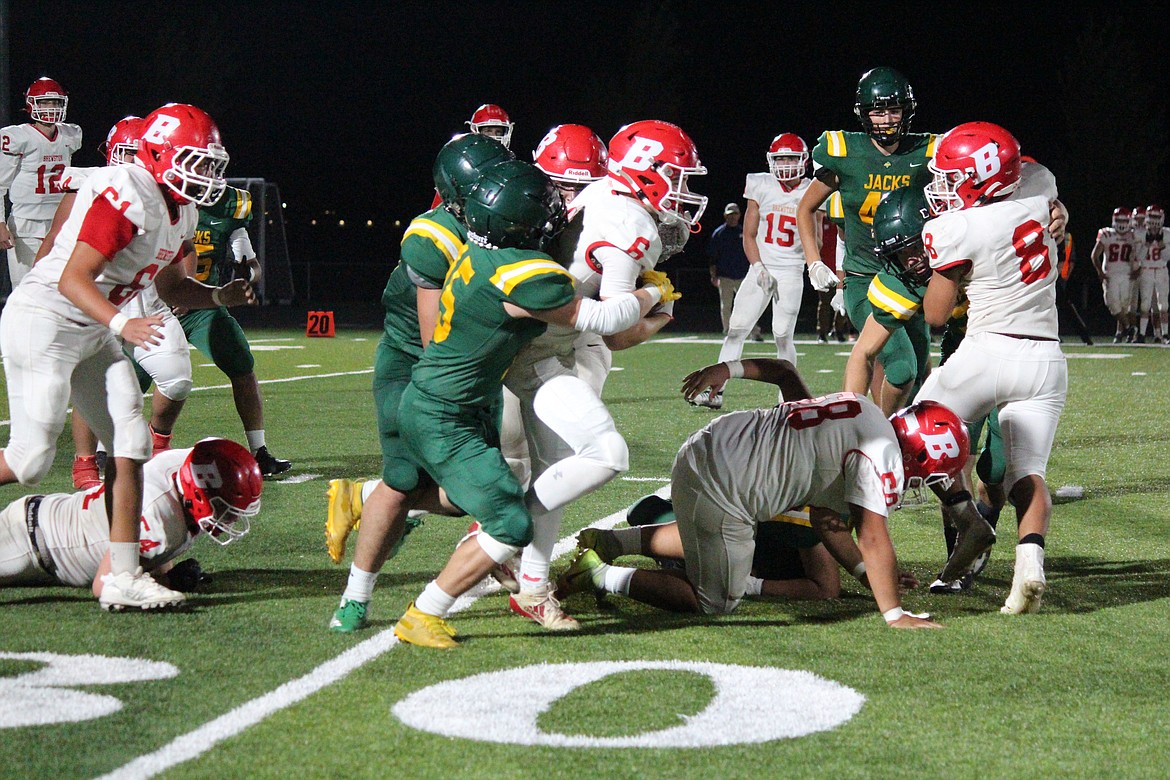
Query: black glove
[187, 576]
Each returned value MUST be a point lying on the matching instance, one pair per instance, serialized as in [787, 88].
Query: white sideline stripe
[195, 743]
[645, 479]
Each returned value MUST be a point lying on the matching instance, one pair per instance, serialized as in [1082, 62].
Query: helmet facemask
[227, 523]
[48, 109]
[942, 192]
[679, 203]
[787, 166]
[197, 174]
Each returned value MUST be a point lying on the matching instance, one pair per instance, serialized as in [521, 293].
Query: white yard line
[195, 743]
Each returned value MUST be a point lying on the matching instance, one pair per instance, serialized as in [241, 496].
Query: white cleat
[543, 607]
[1028, 583]
[136, 590]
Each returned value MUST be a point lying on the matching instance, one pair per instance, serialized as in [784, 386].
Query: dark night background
[344, 104]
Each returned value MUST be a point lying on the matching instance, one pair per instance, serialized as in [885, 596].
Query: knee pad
[570, 408]
[176, 389]
[496, 550]
[30, 465]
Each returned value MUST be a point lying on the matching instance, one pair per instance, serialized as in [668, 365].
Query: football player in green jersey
[221, 239]
[895, 297]
[498, 297]
[863, 167]
[433, 242]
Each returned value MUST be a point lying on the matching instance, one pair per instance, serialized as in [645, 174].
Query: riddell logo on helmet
[641, 154]
[987, 162]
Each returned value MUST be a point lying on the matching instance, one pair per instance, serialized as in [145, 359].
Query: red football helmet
[221, 486]
[571, 155]
[934, 442]
[495, 120]
[121, 144]
[787, 157]
[975, 163]
[46, 101]
[1155, 218]
[1122, 219]
[652, 160]
[1139, 217]
[180, 146]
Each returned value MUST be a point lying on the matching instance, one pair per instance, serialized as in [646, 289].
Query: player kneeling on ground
[64, 538]
[836, 454]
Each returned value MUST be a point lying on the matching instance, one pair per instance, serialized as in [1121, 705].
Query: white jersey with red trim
[828, 452]
[1152, 252]
[609, 217]
[31, 165]
[776, 238]
[133, 192]
[1012, 260]
[1119, 250]
[76, 529]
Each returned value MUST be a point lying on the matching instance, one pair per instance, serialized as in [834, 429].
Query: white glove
[821, 277]
[838, 302]
[765, 280]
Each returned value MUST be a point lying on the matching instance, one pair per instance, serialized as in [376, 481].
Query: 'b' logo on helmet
[987, 162]
[641, 154]
[206, 475]
[941, 446]
[160, 129]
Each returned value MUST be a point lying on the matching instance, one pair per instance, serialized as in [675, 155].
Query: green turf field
[247, 682]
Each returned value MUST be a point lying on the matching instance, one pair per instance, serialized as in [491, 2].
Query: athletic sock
[360, 586]
[630, 539]
[434, 600]
[615, 579]
[1036, 539]
[255, 439]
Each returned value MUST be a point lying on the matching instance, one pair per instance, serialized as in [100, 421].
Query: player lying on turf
[789, 562]
[836, 454]
[64, 538]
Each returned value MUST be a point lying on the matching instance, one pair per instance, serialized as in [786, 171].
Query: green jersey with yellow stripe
[213, 234]
[476, 339]
[865, 175]
[432, 243]
[894, 301]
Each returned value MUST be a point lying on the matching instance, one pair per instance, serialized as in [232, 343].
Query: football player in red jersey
[1114, 258]
[837, 454]
[130, 227]
[33, 156]
[998, 247]
[212, 489]
[494, 122]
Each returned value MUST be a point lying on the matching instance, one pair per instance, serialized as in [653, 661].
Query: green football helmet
[513, 205]
[884, 88]
[459, 164]
[897, 231]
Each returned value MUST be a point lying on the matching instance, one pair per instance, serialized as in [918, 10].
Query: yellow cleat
[345, 514]
[419, 628]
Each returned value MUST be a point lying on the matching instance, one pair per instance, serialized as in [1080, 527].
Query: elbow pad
[613, 315]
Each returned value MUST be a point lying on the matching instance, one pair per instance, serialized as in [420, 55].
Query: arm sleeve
[418, 280]
[613, 315]
[619, 271]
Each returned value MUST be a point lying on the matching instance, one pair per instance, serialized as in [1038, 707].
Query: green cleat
[585, 574]
[603, 542]
[350, 617]
[419, 628]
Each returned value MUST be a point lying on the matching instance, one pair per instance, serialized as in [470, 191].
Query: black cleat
[271, 466]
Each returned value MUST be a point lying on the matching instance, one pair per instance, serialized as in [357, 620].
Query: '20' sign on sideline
[783, 704]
